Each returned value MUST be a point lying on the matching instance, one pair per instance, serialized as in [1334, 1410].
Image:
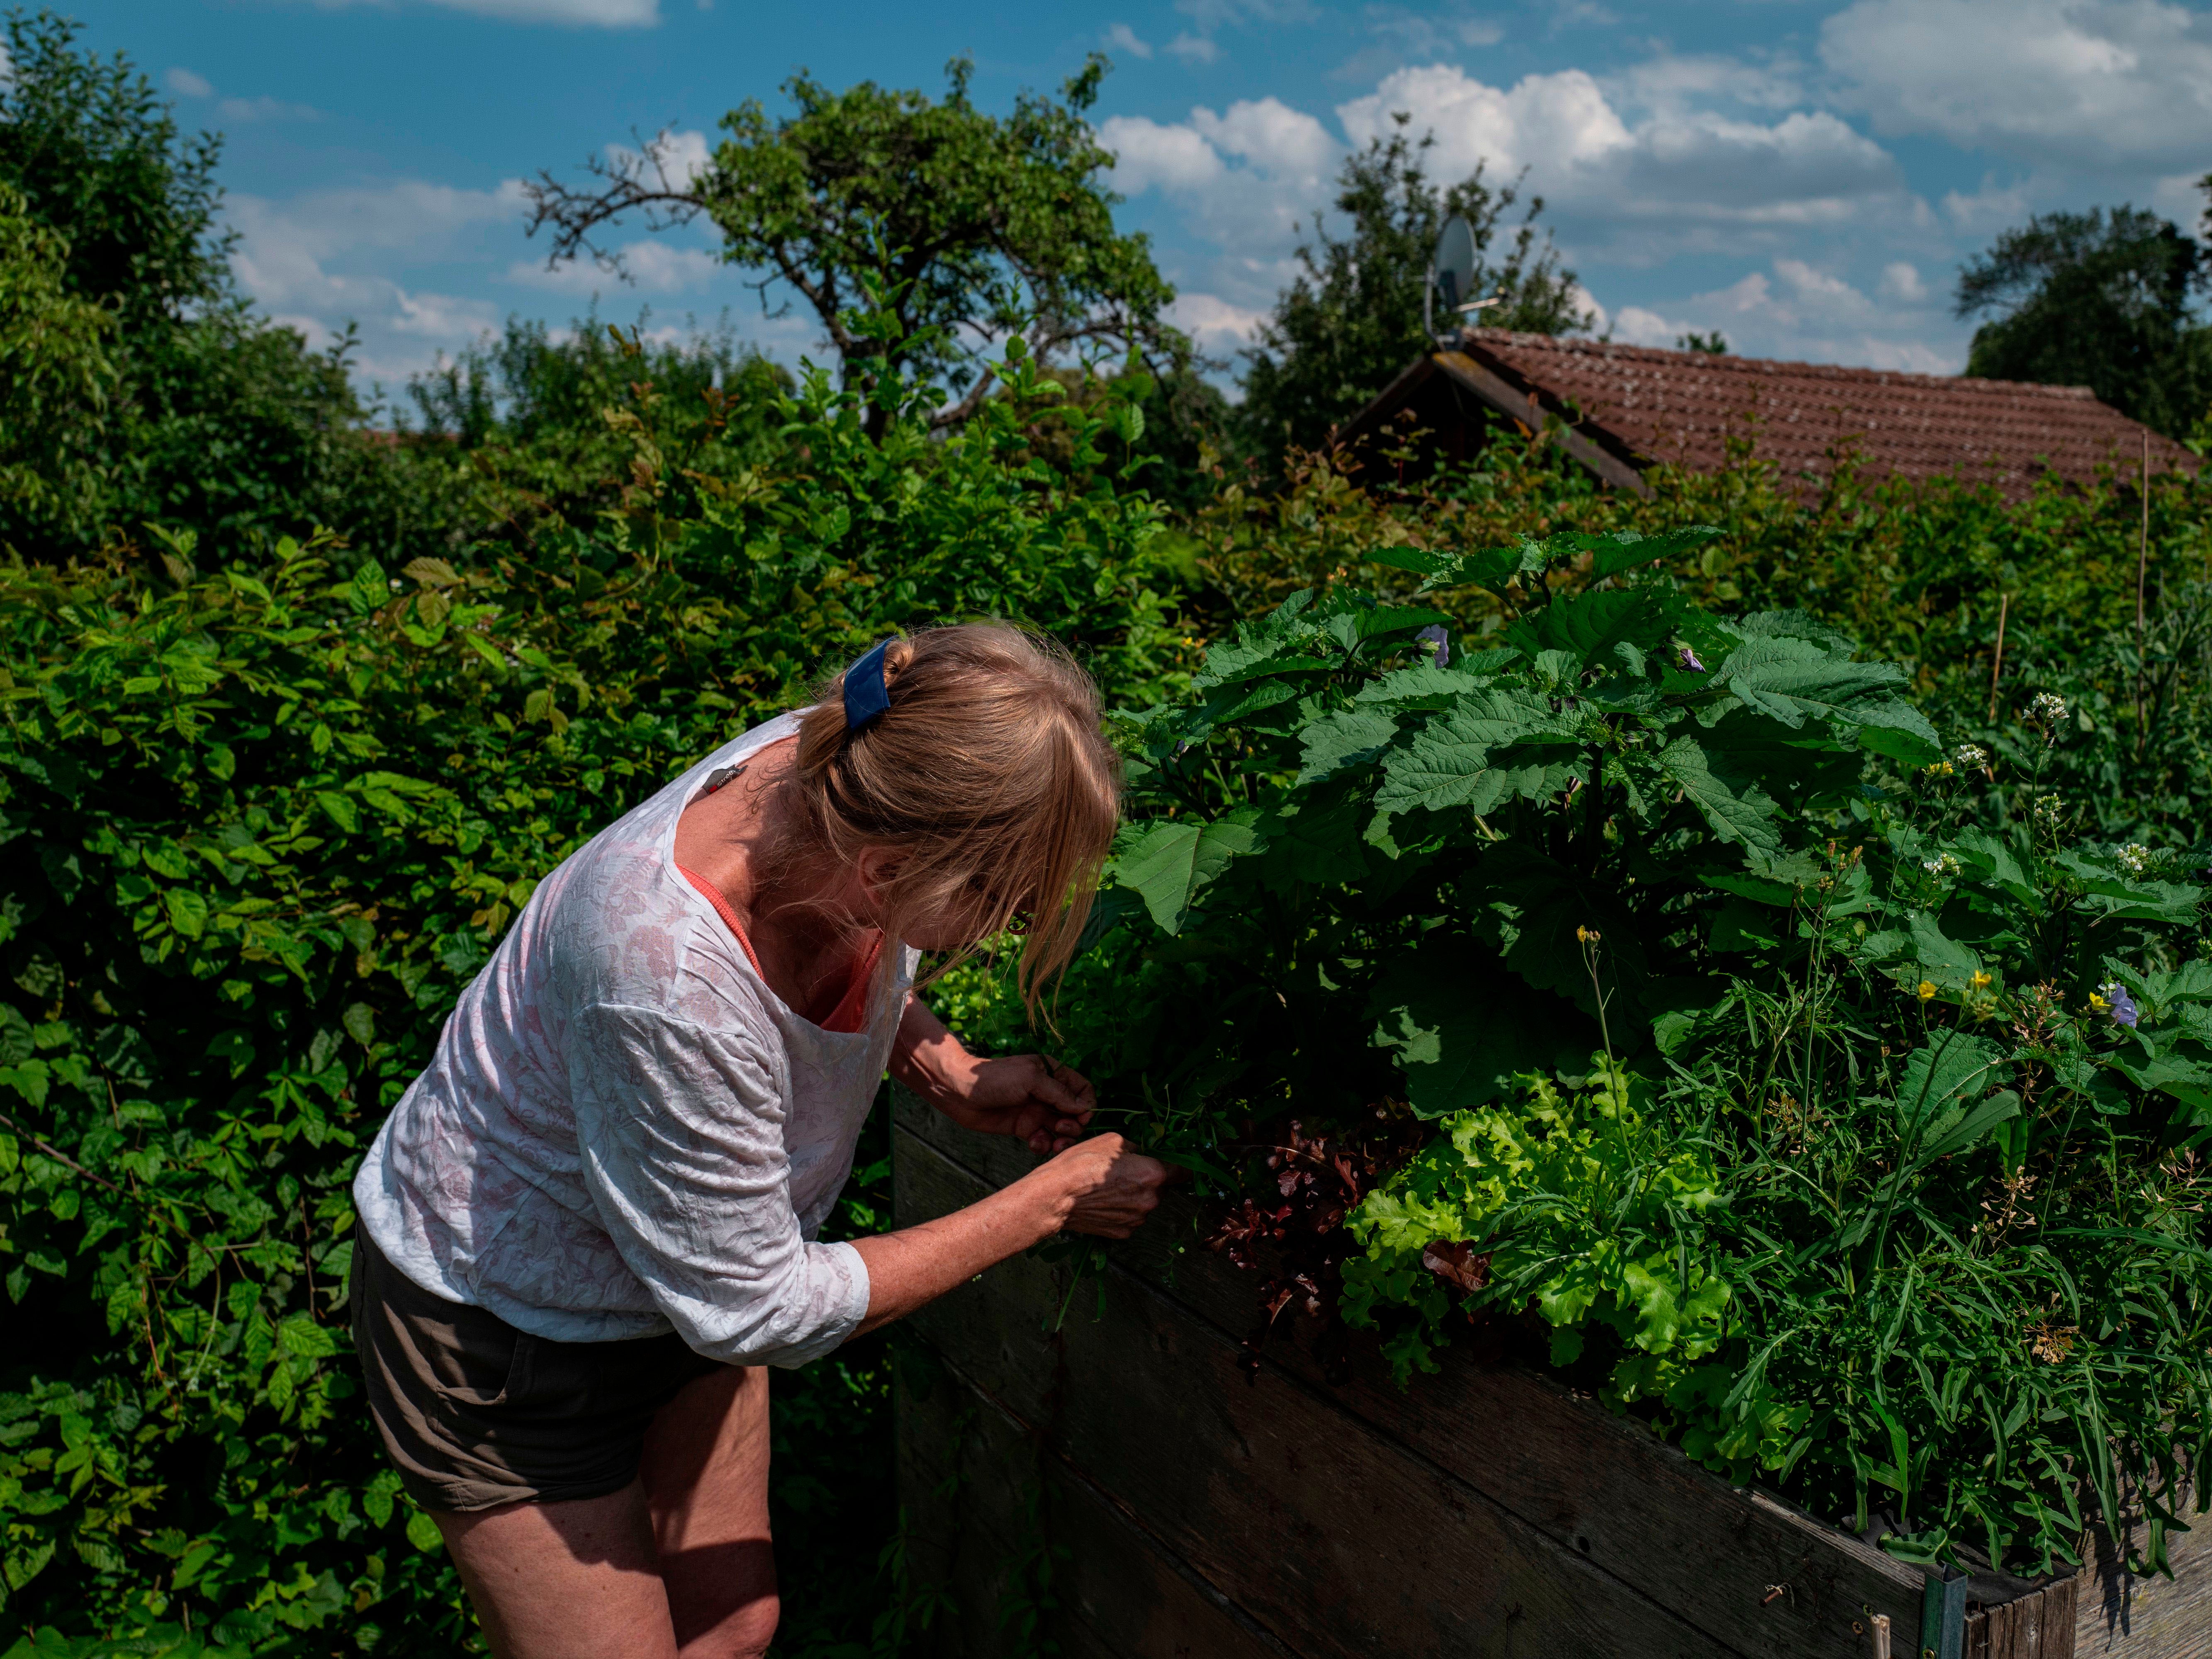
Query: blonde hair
[989, 775]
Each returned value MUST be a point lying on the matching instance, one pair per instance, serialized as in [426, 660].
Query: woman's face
[971, 917]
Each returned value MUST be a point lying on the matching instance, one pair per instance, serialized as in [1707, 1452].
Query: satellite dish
[1452, 269]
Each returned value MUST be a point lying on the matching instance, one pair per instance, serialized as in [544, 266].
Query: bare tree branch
[630, 181]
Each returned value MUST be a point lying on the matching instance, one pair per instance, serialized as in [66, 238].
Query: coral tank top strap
[851, 1014]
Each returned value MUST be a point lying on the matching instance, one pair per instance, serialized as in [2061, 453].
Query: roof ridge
[1739, 364]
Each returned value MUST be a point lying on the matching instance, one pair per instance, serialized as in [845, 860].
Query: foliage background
[265, 824]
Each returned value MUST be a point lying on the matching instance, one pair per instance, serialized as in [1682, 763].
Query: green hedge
[263, 827]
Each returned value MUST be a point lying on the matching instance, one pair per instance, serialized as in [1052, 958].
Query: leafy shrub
[263, 826]
[1818, 1092]
[1980, 600]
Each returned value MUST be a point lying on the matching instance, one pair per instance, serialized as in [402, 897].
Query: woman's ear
[875, 869]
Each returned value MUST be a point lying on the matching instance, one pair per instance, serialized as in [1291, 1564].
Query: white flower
[2050, 808]
[1943, 866]
[2046, 707]
[2134, 858]
[1970, 753]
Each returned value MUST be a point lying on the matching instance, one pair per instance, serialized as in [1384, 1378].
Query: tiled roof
[1683, 406]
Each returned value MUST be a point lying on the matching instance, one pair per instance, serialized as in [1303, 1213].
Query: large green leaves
[1594, 628]
[1736, 810]
[1611, 552]
[1448, 763]
[1795, 680]
[1167, 864]
[1940, 1100]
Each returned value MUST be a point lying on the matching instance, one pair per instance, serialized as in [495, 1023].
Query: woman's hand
[1026, 1095]
[1109, 1190]
[1097, 1187]
[1034, 1099]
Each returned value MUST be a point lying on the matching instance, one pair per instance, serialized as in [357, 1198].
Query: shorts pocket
[486, 1365]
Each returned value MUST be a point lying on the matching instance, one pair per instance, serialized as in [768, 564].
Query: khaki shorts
[476, 1413]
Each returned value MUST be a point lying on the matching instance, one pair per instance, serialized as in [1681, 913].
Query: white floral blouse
[624, 1131]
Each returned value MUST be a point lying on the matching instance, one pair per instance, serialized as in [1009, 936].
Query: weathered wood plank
[2057, 1618]
[1602, 1487]
[981, 1499]
[1299, 1512]
[2119, 1614]
[1608, 1490]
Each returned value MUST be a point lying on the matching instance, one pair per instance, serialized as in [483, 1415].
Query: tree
[2097, 299]
[543, 425]
[1353, 318]
[955, 227]
[56, 379]
[1714, 345]
[209, 415]
[97, 156]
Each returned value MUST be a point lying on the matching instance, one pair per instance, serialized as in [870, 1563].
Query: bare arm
[1035, 1100]
[1097, 1186]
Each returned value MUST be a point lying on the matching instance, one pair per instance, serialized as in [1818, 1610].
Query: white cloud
[1638, 327]
[1211, 15]
[1636, 168]
[2066, 82]
[1811, 315]
[321, 260]
[265, 109]
[1672, 83]
[1148, 154]
[1901, 282]
[1271, 136]
[1594, 315]
[654, 266]
[600, 14]
[1991, 207]
[1122, 38]
[1194, 48]
[1217, 325]
[1563, 117]
[1679, 163]
[185, 84]
[2181, 198]
[1401, 33]
[1243, 179]
[1797, 311]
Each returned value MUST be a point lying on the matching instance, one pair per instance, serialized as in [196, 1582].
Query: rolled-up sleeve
[680, 1132]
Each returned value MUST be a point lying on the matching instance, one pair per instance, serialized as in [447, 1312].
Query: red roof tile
[1683, 406]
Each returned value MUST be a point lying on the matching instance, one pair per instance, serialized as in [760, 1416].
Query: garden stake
[2004, 605]
[1943, 1617]
[2142, 570]
[1882, 1636]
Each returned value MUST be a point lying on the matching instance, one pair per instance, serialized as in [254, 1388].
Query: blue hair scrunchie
[866, 697]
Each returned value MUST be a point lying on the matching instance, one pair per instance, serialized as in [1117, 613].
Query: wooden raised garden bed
[1131, 1485]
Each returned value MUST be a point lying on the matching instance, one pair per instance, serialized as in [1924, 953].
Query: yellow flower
[2097, 1004]
[1587, 935]
[1927, 991]
[1980, 979]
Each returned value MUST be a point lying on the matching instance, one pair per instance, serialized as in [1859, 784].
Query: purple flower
[1687, 660]
[2124, 1011]
[1434, 634]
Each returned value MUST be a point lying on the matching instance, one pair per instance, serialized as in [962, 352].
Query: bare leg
[705, 1474]
[565, 1581]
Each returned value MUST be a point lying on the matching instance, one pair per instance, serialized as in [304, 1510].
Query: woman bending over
[588, 1227]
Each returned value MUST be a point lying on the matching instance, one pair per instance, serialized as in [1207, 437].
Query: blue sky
[1803, 175]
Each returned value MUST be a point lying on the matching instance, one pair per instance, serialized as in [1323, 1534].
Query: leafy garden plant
[1663, 992]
